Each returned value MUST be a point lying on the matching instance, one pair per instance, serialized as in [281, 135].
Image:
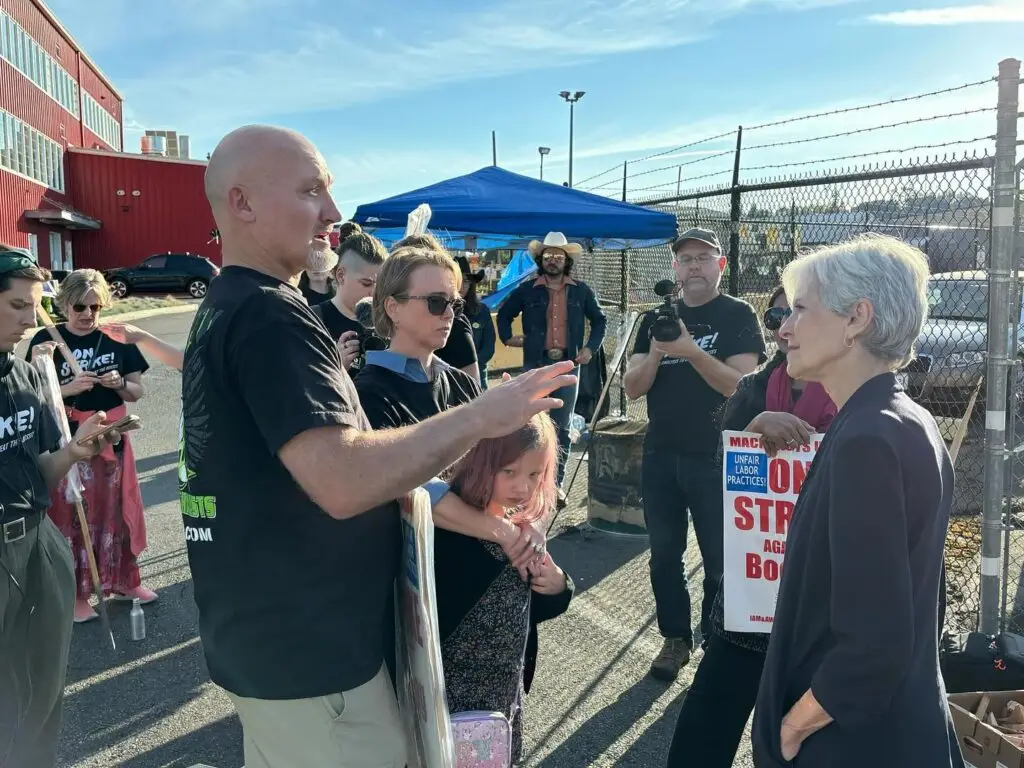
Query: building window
[25, 150]
[101, 122]
[32, 60]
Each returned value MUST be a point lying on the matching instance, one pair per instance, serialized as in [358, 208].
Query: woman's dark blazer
[857, 620]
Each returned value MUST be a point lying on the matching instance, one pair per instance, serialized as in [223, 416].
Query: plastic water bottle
[138, 620]
[577, 426]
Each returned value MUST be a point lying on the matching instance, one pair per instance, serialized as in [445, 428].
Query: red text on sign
[787, 476]
[770, 515]
[762, 567]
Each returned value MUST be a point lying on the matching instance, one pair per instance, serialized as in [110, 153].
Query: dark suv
[164, 273]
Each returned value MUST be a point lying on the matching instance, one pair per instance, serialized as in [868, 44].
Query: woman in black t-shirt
[110, 377]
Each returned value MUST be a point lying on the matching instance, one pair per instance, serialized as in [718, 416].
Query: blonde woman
[110, 377]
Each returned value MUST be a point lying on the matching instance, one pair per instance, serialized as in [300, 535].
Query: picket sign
[760, 493]
[433, 739]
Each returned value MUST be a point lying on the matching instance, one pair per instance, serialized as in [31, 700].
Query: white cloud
[958, 14]
[219, 80]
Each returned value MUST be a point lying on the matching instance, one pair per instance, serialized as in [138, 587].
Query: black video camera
[369, 341]
[666, 320]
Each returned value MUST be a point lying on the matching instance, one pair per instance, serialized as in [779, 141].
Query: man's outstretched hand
[507, 407]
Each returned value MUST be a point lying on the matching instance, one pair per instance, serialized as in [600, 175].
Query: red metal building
[145, 205]
[66, 191]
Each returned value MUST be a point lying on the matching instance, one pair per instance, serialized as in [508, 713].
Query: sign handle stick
[43, 362]
[51, 329]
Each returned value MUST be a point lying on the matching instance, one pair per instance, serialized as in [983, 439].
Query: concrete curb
[175, 309]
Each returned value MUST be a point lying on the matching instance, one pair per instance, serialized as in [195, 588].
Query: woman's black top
[856, 620]
[391, 399]
[460, 350]
[483, 333]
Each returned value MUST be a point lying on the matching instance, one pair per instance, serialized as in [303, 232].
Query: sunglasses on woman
[82, 307]
[774, 317]
[436, 303]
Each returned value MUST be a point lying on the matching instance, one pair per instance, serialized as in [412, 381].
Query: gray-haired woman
[852, 673]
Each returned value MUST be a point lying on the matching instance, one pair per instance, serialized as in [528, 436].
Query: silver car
[952, 347]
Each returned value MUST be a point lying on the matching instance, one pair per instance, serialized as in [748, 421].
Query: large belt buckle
[555, 354]
[14, 530]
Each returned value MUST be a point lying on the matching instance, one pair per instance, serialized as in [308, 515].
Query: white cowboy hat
[554, 240]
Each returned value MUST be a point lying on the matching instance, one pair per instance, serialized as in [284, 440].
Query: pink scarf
[814, 406]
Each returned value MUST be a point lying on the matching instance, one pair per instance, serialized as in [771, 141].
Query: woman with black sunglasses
[785, 412]
[110, 376]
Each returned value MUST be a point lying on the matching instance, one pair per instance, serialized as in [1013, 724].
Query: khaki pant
[360, 728]
[37, 605]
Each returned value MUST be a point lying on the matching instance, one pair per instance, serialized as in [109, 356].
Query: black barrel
[616, 457]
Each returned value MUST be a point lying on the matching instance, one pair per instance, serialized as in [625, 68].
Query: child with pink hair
[487, 611]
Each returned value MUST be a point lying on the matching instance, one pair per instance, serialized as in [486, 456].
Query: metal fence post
[623, 309]
[1000, 294]
[792, 230]
[734, 219]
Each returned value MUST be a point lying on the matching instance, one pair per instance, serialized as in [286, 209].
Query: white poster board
[760, 493]
[420, 675]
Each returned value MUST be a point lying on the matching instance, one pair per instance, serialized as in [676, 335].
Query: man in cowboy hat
[479, 317]
[555, 308]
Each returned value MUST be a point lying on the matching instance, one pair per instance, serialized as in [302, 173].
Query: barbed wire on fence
[854, 132]
[862, 107]
[620, 168]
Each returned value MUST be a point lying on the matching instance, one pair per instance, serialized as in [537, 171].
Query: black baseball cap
[701, 235]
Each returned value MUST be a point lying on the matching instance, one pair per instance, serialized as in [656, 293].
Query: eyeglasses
[774, 317]
[704, 258]
[82, 307]
[436, 304]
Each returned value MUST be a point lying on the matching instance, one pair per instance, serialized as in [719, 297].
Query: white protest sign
[420, 674]
[760, 494]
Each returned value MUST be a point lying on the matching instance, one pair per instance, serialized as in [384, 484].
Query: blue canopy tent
[499, 207]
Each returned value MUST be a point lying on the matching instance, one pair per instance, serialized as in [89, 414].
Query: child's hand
[546, 577]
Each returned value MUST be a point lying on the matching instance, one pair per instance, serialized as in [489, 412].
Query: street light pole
[571, 99]
[542, 151]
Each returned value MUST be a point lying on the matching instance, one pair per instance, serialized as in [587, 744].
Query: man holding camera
[687, 380]
[359, 259]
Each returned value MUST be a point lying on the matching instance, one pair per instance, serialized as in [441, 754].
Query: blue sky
[399, 94]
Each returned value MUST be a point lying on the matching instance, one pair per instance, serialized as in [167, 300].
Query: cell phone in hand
[129, 423]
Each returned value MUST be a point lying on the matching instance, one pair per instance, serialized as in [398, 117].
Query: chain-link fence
[962, 212]
[942, 208]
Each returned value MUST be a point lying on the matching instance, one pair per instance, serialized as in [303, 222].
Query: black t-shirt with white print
[292, 603]
[685, 411]
[27, 429]
[96, 353]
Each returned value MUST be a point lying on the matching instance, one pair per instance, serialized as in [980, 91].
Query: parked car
[164, 273]
[951, 351]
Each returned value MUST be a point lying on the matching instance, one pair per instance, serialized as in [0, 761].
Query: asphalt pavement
[150, 704]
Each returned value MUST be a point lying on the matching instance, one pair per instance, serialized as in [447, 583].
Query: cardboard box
[982, 745]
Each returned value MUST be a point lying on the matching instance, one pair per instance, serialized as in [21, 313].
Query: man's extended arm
[347, 471]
